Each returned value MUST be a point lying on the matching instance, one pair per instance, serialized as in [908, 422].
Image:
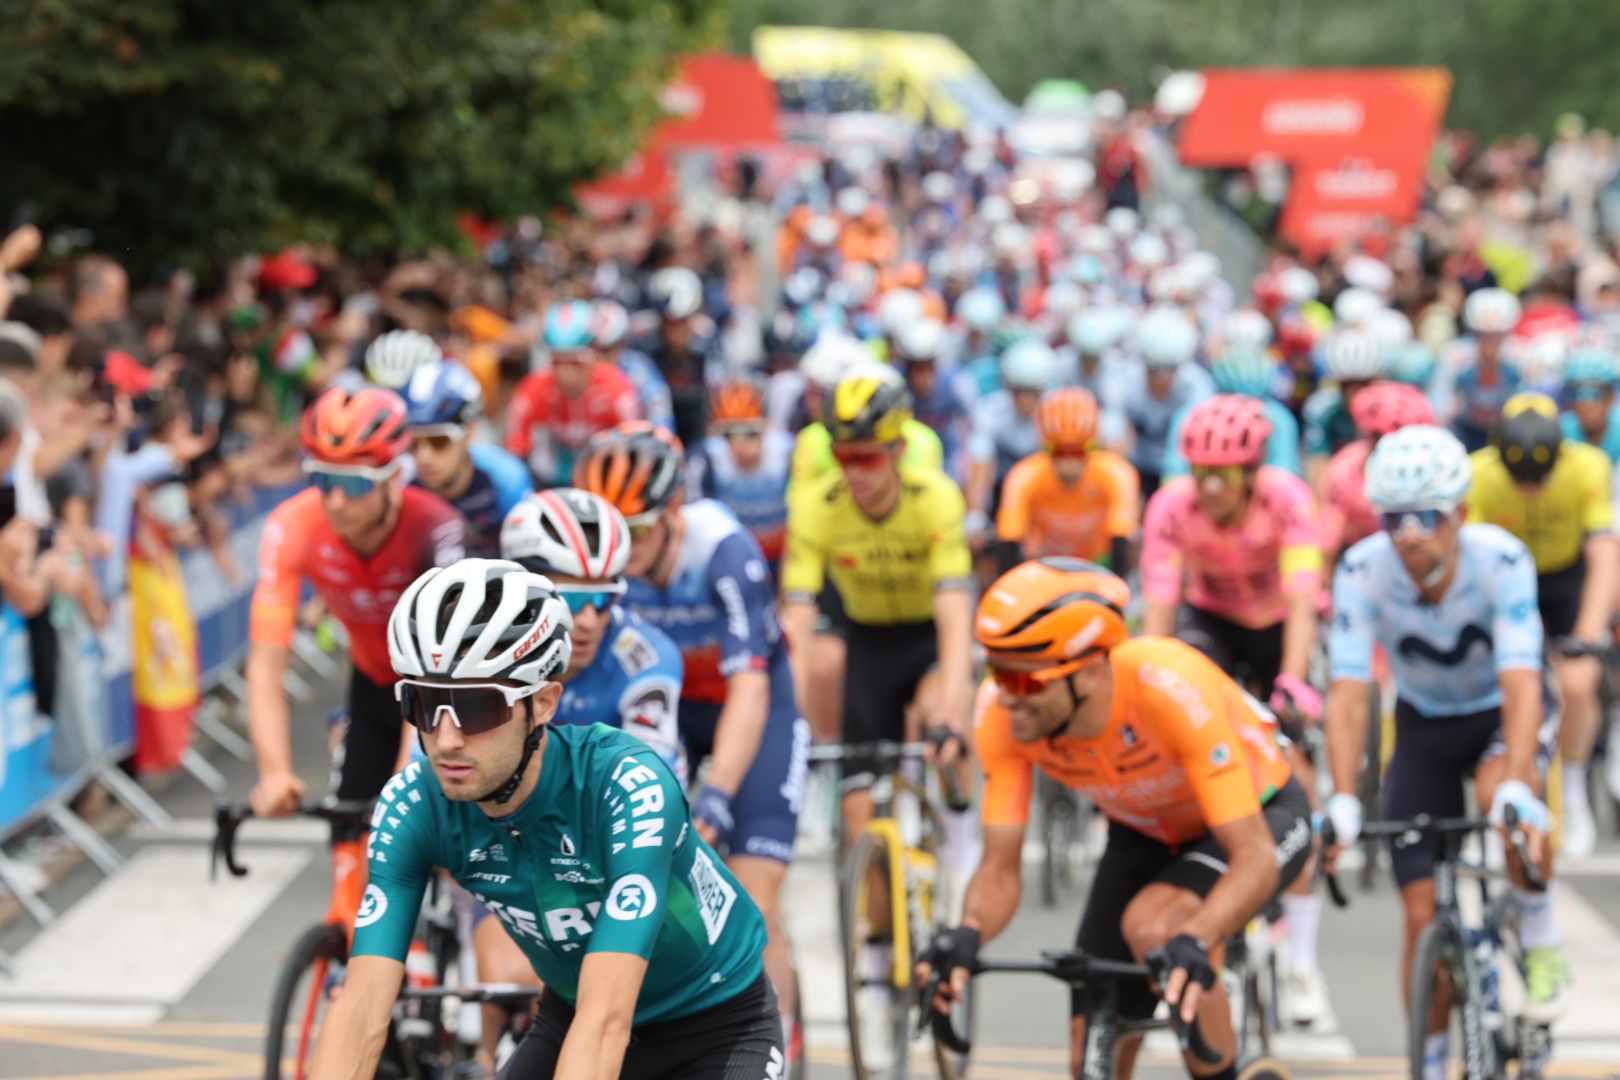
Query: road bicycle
[1253, 985]
[1098, 982]
[1466, 960]
[1065, 821]
[894, 897]
[425, 1038]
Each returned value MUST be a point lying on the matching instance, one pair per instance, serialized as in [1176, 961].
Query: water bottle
[1483, 945]
[419, 975]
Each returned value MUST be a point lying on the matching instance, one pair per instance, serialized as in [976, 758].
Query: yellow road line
[70, 1039]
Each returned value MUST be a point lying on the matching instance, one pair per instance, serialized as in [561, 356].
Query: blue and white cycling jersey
[499, 480]
[1282, 448]
[1446, 656]
[1150, 417]
[633, 683]
[758, 499]
[656, 405]
[1609, 444]
[1000, 434]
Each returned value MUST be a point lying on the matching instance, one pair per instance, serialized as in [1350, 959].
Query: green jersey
[601, 857]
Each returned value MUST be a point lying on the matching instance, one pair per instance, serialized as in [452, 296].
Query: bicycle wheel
[1060, 829]
[878, 1010]
[1442, 959]
[314, 967]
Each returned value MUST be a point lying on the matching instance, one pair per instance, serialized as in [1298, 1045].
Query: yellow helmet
[871, 402]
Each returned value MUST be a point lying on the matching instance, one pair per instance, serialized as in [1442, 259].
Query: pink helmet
[1227, 429]
[1384, 407]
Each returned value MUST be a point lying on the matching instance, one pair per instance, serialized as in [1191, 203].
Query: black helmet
[1528, 436]
[871, 402]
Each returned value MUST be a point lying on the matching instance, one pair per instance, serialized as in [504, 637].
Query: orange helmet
[1067, 417]
[1054, 609]
[739, 401]
[366, 427]
[637, 467]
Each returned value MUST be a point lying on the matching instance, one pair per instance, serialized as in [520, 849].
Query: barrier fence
[46, 761]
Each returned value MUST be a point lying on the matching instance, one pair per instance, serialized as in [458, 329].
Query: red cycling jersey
[298, 544]
[546, 428]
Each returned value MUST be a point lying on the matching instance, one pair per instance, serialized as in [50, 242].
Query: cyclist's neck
[663, 568]
[531, 780]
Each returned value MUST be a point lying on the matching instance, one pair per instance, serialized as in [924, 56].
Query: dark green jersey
[601, 857]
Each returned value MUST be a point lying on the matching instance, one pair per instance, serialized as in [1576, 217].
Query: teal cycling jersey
[601, 857]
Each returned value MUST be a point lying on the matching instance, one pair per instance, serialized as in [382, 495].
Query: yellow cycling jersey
[1555, 521]
[886, 571]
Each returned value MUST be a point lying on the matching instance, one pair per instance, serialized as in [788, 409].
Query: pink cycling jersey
[1244, 573]
[1347, 514]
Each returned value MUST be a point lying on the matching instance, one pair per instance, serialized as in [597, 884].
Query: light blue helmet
[1087, 269]
[1418, 467]
[1247, 372]
[569, 326]
[1094, 331]
[443, 393]
[981, 309]
[1592, 365]
[1412, 363]
[1166, 338]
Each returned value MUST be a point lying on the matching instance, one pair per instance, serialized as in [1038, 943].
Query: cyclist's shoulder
[1279, 488]
[637, 647]
[302, 506]
[499, 464]
[818, 496]
[1030, 475]
[408, 814]
[1167, 679]
[1580, 465]
[1482, 541]
[420, 507]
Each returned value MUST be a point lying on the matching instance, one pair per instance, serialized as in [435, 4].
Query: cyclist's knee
[1417, 904]
[1155, 916]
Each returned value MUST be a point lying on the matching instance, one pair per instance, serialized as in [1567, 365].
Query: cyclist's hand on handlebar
[1291, 693]
[956, 952]
[945, 744]
[1532, 816]
[277, 794]
[1344, 812]
[1184, 971]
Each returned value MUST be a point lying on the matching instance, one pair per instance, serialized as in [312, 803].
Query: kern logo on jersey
[372, 906]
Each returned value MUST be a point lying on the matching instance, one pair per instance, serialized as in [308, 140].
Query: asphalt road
[157, 974]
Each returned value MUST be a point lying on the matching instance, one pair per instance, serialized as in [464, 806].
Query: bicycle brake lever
[227, 819]
[1192, 1040]
[1532, 872]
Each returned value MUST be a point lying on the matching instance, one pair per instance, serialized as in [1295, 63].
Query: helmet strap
[531, 744]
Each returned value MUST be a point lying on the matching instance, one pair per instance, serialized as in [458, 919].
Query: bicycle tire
[949, 1064]
[1265, 1068]
[315, 951]
[869, 853]
[1060, 825]
[1441, 946]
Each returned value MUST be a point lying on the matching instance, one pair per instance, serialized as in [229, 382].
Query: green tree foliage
[1517, 63]
[194, 128]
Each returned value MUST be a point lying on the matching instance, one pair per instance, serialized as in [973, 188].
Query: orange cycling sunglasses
[1030, 683]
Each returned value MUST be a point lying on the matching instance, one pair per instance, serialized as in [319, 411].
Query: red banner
[1329, 204]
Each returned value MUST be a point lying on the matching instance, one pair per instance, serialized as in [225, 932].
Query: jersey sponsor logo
[792, 788]
[713, 893]
[575, 877]
[1220, 755]
[498, 879]
[494, 853]
[754, 569]
[645, 798]
[372, 906]
[567, 844]
[518, 921]
[652, 708]
[1179, 690]
[632, 897]
[393, 805]
[532, 640]
[634, 652]
[1413, 647]
[736, 610]
[1127, 735]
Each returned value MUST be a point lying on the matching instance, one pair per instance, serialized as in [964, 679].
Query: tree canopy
[194, 128]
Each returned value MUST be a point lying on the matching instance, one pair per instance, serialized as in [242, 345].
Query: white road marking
[99, 1017]
[149, 932]
[253, 831]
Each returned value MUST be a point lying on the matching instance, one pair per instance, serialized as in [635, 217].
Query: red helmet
[366, 427]
[1295, 337]
[1227, 429]
[1384, 407]
[1268, 292]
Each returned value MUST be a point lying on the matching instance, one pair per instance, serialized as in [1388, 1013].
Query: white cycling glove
[1345, 813]
[1517, 794]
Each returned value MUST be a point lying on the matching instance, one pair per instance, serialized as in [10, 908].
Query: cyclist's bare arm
[609, 984]
[1249, 881]
[997, 885]
[981, 477]
[270, 727]
[1346, 729]
[1521, 723]
[1158, 618]
[1299, 634]
[738, 731]
[799, 626]
[1598, 593]
[356, 1027]
[953, 618]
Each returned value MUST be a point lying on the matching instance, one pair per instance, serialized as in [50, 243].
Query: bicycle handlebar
[884, 753]
[228, 818]
[1073, 967]
[1440, 831]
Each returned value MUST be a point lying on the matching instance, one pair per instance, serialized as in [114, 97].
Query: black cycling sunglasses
[473, 707]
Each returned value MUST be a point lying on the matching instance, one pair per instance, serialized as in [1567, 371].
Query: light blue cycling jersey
[1000, 434]
[1446, 656]
[1149, 417]
[633, 683]
[1282, 448]
[657, 407]
[1609, 444]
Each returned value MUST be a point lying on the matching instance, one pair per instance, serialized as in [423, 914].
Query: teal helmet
[1592, 366]
[1247, 372]
[1412, 363]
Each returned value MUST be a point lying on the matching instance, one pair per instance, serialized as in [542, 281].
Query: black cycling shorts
[370, 750]
[1131, 862]
[1252, 657]
[1558, 595]
[1433, 756]
[881, 673]
[738, 1039]
[830, 617]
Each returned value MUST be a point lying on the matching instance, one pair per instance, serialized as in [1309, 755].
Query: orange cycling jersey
[1049, 517]
[1185, 750]
[359, 590]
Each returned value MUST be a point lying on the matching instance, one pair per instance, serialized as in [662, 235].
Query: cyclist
[1244, 536]
[648, 950]
[889, 537]
[443, 404]
[359, 536]
[1070, 498]
[1481, 376]
[1205, 822]
[1554, 496]
[1004, 430]
[1250, 373]
[1164, 383]
[556, 409]
[745, 464]
[393, 357]
[1347, 516]
[1095, 334]
[939, 403]
[1590, 377]
[610, 327]
[1352, 359]
[1455, 607]
[683, 348]
[697, 574]
[827, 362]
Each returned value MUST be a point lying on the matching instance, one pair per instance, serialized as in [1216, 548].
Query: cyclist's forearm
[1521, 722]
[1598, 592]
[356, 1027]
[1158, 618]
[981, 477]
[738, 732]
[269, 717]
[992, 900]
[1299, 634]
[599, 1033]
[799, 627]
[1346, 730]
[953, 618]
[1249, 881]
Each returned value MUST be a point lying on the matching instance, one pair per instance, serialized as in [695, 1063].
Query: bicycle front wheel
[1442, 970]
[313, 969]
[877, 1004]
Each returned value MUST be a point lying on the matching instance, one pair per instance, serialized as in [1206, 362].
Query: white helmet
[921, 339]
[859, 280]
[1095, 240]
[1096, 330]
[1355, 307]
[897, 309]
[1166, 338]
[568, 532]
[1200, 268]
[1353, 355]
[482, 620]
[1009, 238]
[825, 362]
[1245, 331]
[676, 292]
[1122, 221]
[1541, 359]
[392, 357]
[822, 231]
[1062, 299]
[852, 201]
[1149, 251]
[938, 186]
[982, 308]
[1168, 284]
[1389, 327]
[1298, 285]
[1416, 468]
[1491, 311]
[1028, 364]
